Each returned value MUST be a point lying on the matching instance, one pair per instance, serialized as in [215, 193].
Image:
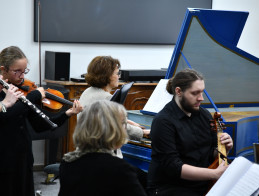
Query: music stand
[120, 94]
[256, 152]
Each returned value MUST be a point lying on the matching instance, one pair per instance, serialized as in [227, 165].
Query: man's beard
[187, 106]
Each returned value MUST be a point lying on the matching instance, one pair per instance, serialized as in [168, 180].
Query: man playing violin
[183, 144]
[16, 175]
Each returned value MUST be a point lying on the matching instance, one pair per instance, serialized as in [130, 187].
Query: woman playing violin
[183, 145]
[16, 163]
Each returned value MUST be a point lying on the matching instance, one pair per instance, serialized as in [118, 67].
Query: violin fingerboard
[58, 99]
[222, 149]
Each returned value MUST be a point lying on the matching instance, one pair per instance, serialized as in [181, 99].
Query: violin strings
[59, 99]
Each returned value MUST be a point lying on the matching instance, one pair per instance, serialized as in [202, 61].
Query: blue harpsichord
[207, 42]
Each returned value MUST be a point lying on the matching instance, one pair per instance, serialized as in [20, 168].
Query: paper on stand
[159, 98]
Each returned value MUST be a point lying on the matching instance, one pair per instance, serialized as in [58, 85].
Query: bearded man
[183, 145]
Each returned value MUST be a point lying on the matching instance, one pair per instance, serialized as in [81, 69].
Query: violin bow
[39, 39]
[223, 157]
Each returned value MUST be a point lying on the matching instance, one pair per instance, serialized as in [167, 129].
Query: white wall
[249, 40]
[16, 28]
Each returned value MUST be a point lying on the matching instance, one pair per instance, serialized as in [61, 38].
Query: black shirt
[99, 174]
[16, 163]
[176, 140]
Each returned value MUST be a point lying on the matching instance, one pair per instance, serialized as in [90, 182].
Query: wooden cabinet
[136, 100]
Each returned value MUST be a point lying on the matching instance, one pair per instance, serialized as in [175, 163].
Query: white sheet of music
[248, 184]
[241, 178]
[159, 98]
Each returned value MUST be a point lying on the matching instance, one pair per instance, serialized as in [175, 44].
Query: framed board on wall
[112, 21]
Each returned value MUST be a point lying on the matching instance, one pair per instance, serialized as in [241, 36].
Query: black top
[98, 174]
[16, 163]
[176, 140]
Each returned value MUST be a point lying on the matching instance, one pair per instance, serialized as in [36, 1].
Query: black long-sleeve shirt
[16, 160]
[176, 140]
[99, 174]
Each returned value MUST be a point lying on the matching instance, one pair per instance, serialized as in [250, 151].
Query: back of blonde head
[100, 128]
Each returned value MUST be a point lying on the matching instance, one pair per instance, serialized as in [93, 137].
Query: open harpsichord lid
[207, 42]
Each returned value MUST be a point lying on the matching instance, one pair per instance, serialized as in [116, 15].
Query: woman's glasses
[19, 72]
[118, 73]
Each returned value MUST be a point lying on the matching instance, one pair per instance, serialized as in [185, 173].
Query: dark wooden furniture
[136, 100]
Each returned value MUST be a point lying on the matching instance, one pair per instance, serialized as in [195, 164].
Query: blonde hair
[100, 126]
[9, 55]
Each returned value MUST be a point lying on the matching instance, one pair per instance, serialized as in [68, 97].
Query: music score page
[159, 98]
[240, 178]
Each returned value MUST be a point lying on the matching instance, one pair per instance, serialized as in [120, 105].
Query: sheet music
[248, 184]
[159, 98]
[240, 177]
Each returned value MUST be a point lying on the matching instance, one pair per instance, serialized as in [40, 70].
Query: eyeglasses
[19, 72]
[118, 73]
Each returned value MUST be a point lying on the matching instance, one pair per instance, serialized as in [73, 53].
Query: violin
[54, 99]
[222, 153]
[218, 127]
[32, 106]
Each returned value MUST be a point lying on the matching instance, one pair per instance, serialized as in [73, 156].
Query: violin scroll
[216, 124]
